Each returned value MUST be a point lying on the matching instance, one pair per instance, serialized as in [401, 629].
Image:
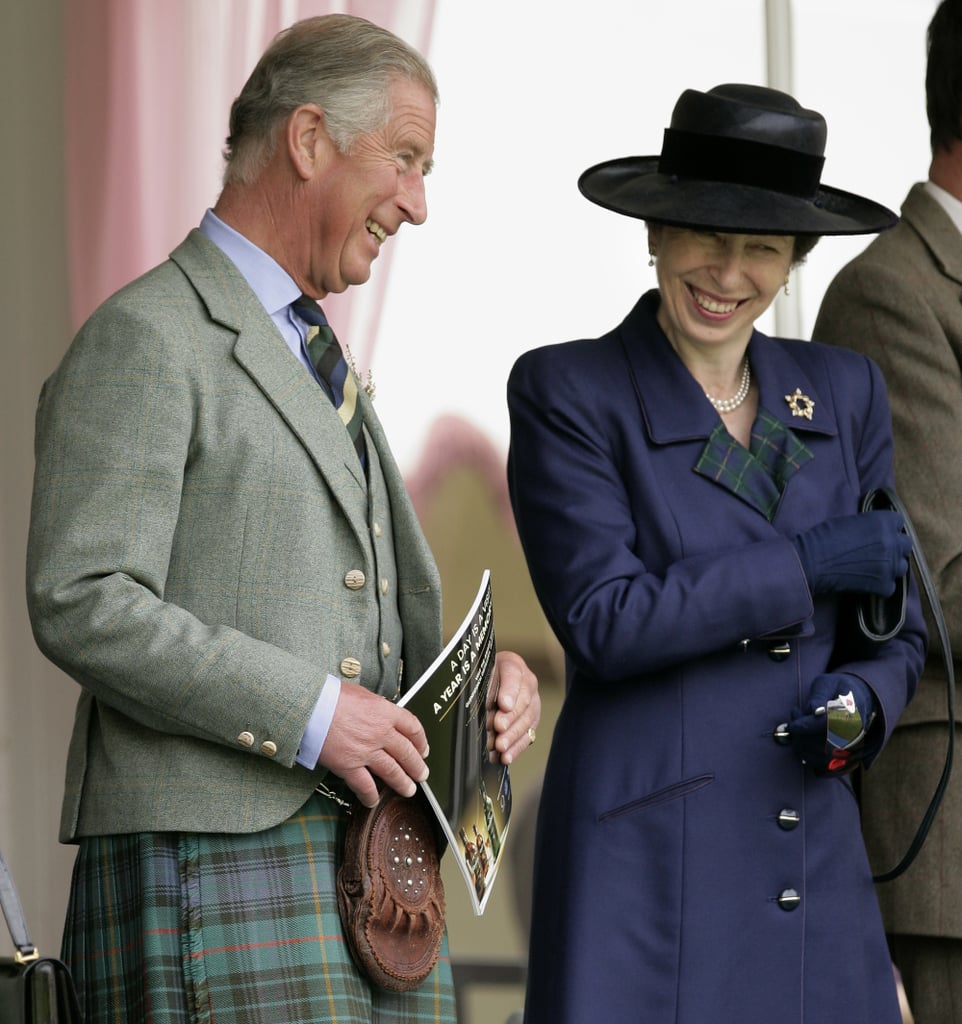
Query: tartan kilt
[186, 928]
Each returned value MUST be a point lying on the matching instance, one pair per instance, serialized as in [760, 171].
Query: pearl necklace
[731, 404]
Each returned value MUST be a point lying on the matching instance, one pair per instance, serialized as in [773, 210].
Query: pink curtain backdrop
[148, 91]
[453, 442]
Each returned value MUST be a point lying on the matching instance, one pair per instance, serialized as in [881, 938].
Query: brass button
[385, 648]
[354, 580]
[350, 668]
[788, 819]
[269, 748]
[246, 739]
[384, 586]
[781, 734]
[788, 899]
[779, 652]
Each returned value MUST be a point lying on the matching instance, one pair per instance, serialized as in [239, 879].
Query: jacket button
[779, 652]
[269, 748]
[781, 734]
[350, 668]
[384, 586]
[788, 899]
[246, 739]
[788, 819]
[385, 648]
[377, 530]
[354, 580]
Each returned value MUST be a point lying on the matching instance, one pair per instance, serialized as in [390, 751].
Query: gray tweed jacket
[199, 517]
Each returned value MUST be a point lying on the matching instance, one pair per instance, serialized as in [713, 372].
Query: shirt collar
[948, 202]
[272, 285]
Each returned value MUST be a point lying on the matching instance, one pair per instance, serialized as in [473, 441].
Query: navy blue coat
[673, 826]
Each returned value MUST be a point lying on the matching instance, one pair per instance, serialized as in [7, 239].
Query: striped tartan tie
[325, 355]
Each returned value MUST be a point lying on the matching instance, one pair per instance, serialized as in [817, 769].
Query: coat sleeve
[115, 433]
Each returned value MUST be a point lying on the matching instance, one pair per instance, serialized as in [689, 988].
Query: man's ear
[306, 138]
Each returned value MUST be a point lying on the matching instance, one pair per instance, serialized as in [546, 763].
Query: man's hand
[517, 710]
[370, 738]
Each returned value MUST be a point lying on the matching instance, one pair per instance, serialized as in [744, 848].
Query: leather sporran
[389, 891]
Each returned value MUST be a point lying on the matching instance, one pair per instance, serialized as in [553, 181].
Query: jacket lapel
[778, 448]
[261, 351]
[939, 233]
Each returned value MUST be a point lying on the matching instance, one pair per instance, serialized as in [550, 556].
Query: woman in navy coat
[687, 494]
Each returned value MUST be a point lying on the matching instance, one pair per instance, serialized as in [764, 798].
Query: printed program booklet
[469, 791]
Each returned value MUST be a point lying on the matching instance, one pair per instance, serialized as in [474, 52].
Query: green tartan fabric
[187, 928]
[757, 474]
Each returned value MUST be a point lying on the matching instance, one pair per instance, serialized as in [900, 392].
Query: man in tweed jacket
[900, 302]
[235, 590]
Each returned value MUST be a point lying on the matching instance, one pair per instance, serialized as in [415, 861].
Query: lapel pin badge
[368, 385]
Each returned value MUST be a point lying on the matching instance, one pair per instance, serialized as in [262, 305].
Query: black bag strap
[26, 951]
[884, 496]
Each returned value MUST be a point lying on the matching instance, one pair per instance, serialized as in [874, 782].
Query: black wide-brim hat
[739, 158]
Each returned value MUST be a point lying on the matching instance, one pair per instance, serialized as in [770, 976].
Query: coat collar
[264, 356]
[936, 229]
[673, 404]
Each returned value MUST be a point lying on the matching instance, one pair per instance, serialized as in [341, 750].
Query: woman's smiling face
[715, 285]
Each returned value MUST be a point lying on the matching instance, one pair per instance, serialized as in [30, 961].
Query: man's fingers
[373, 742]
[392, 774]
[409, 726]
[362, 785]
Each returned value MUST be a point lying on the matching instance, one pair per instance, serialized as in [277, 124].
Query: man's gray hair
[345, 65]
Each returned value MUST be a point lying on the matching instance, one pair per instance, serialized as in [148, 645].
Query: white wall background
[535, 91]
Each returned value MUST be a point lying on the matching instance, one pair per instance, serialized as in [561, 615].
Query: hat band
[741, 162]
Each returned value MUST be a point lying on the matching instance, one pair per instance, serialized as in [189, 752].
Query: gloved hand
[867, 552]
[831, 734]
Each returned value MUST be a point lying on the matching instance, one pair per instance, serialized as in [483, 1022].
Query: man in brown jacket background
[900, 302]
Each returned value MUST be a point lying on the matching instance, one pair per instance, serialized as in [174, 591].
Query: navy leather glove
[831, 734]
[866, 553]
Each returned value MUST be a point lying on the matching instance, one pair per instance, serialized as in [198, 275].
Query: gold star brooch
[801, 405]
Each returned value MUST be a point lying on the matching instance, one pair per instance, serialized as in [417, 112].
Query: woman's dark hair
[804, 244]
[943, 75]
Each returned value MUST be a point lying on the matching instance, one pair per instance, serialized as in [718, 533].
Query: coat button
[269, 748]
[246, 739]
[779, 652]
[377, 530]
[788, 899]
[350, 668]
[781, 734]
[788, 819]
[385, 648]
[354, 580]
[384, 586]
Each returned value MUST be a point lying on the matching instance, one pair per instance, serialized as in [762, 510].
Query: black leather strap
[13, 913]
[884, 497]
